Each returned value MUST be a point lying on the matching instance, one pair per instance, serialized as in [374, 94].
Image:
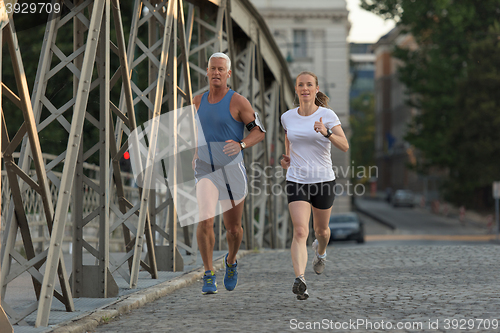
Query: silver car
[346, 226]
[403, 198]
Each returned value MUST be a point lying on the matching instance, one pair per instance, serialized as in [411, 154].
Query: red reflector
[126, 155]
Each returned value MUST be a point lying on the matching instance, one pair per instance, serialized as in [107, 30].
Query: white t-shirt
[310, 159]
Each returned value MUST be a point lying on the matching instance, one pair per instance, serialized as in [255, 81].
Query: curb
[374, 217]
[90, 321]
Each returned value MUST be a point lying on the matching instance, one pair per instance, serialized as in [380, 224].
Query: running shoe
[318, 262]
[303, 297]
[209, 283]
[300, 289]
[231, 276]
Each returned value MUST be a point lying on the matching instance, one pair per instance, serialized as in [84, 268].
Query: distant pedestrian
[219, 169]
[310, 130]
[388, 194]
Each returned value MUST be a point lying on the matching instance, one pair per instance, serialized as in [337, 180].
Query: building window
[299, 44]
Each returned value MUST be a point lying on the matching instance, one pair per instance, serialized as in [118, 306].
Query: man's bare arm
[247, 115]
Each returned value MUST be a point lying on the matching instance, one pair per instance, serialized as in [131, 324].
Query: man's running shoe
[318, 262]
[231, 276]
[209, 283]
[299, 288]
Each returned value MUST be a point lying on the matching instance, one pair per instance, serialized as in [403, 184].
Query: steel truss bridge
[49, 201]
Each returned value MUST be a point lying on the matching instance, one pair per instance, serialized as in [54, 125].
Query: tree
[475, 130]
[362, 122]
[447, 32]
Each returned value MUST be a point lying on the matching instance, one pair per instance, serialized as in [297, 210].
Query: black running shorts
[319, 195]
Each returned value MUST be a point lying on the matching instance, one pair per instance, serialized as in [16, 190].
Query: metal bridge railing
[50, 203]
[33, 207]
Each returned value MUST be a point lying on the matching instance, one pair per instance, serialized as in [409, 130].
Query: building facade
[312, 36]
[362, 70]
[393, 154]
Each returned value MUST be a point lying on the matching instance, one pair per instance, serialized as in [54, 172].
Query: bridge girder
[161, 69]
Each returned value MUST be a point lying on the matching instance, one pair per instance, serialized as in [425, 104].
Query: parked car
[403, 198]
[346, 226]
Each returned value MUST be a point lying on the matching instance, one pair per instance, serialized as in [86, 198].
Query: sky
[366, 27]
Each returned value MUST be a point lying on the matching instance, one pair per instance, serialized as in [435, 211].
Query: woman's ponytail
[321, 99]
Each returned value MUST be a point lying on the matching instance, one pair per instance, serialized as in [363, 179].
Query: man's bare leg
[234, 234]
[206, 240]
[207, 195]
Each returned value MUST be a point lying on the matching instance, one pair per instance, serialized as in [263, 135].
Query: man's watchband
[243, 145]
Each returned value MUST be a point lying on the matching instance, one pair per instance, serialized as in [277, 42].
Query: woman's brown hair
[321, 99]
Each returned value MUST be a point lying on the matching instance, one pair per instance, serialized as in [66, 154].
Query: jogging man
[222, 115]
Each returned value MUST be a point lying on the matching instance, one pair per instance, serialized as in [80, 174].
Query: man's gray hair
[221, 55]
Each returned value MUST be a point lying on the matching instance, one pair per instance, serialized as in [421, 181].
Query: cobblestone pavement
[451, 286]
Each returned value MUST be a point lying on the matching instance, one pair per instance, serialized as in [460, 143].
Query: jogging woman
[310, 131]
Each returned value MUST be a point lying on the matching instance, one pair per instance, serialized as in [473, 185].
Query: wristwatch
[243, 145]
[328, 133]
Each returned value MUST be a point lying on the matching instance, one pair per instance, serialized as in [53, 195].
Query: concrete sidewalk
[90, 312]
[364, 288]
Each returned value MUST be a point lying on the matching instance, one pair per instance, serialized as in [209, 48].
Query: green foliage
[106, 319]
[362, 122]
[475, 131]
[455, 94]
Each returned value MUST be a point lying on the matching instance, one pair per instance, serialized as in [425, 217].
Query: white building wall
[327, 56]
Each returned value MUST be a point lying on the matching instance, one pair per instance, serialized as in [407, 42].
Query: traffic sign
[496, 190]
